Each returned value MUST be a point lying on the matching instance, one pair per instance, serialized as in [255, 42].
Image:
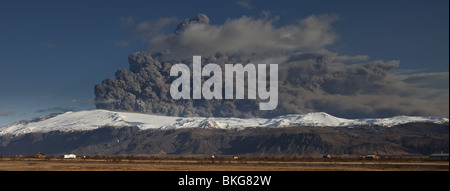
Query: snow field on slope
[93, 119]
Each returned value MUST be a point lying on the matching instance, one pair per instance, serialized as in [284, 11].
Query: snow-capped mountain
[93, 119]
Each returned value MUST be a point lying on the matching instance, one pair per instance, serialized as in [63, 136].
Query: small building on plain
[69, 156]
[40, 155]
[440, 156]
[376, 157]
[372, 157]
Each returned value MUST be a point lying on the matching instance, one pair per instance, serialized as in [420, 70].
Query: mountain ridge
[412, 139]
[113, 133]
[92, 119]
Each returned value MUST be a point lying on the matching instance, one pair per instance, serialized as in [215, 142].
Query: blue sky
[52, 53]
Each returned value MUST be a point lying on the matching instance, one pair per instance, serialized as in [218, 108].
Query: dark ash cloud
[245, 36]
[311, 78]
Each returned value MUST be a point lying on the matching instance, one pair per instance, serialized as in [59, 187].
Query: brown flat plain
[224, 164]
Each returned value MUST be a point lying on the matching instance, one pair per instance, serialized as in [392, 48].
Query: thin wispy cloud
[5, 113]
[126, 21]
[244, 4]
[55, 110]
[50, 44]
[147, 29]
[121, 43]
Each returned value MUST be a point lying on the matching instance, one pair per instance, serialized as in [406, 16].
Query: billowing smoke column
[146, 88]
[311, 78]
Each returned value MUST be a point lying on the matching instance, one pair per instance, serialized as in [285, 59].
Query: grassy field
[218, 164]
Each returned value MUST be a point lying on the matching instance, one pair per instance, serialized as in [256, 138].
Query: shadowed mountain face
[406, 139]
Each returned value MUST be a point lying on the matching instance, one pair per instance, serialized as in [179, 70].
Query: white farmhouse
[69, 156]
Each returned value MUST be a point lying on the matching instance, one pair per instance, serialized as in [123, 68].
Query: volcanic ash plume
[311, 78]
